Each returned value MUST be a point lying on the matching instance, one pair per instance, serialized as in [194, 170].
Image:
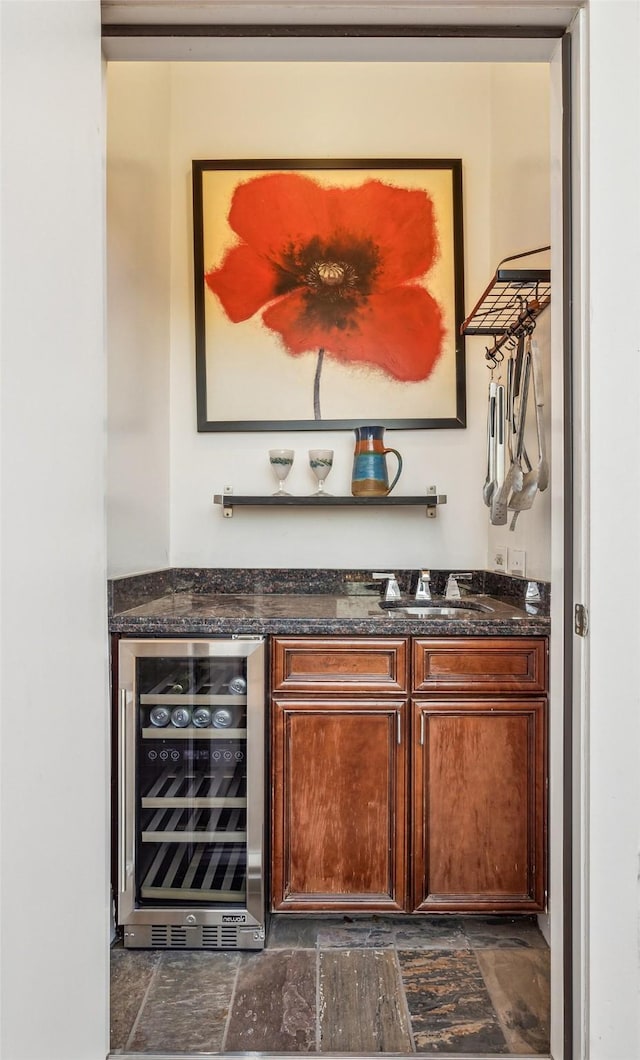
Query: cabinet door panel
[479, 812]
[479, 664]
[304, 664]
[339, 805]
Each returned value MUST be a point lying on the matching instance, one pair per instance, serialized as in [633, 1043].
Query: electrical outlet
[517, 561]
[500, 557]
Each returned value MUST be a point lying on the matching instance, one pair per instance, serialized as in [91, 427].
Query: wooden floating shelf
[229, 501]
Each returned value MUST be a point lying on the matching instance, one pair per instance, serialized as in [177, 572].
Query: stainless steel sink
[440, 612]
[479, 606]
[433, 609]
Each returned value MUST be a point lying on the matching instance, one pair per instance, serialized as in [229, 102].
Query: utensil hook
[494, 358]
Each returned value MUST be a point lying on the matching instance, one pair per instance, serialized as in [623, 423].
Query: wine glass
[281, 461]
[321, 462]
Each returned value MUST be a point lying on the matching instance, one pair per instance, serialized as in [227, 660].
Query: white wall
[367, 110]
[612, 777]
[138, 279]
[54, 674]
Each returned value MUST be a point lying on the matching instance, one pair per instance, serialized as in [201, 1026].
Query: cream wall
[333, 110]
[138, 291]
[520, 192]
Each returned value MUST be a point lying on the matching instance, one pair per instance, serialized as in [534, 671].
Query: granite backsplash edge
[134, 590]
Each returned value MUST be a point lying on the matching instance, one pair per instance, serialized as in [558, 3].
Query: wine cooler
[191, 793]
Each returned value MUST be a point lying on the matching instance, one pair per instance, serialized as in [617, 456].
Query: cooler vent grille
[201, 936]
[168, 936]
[159, 935]
[178, 936]
[211, 937]
[220, 938]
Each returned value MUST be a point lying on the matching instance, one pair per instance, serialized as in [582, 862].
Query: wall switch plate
[516, 561]
[500, 557]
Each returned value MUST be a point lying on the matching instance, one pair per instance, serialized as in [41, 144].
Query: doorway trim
[188, 42]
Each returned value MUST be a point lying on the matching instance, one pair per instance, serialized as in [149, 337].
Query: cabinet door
[479, 809]
[339, 804]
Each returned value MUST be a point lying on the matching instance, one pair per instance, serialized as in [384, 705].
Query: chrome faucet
[452, 592]
[392, 589]
[423, 588]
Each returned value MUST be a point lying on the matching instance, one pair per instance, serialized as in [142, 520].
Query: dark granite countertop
[182, 603]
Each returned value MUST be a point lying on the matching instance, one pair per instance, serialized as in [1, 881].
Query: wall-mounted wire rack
[510, 303]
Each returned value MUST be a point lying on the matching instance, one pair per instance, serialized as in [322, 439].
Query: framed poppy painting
[328, 294]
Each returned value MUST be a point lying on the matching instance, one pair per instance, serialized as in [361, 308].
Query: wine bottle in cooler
[238, 686]
[222, 718]
[180, 717]
[159, 716]
[180, 682]
[201, 717]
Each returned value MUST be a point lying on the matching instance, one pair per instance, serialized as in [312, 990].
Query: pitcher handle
[398, 472]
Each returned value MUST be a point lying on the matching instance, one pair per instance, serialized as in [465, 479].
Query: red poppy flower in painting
[335, 269]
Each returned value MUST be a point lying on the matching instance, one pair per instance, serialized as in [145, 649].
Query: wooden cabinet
[479, 774]
[339, 767]
[440, 807]
[339, 831]
[478, 804]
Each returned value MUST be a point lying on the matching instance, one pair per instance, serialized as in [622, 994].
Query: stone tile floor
[340, 984]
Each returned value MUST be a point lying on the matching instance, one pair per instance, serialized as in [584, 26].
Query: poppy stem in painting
[316, 386]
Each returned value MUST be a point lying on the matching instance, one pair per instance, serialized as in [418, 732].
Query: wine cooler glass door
[193, 813]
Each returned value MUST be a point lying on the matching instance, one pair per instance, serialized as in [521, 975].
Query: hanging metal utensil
[501, 426]
[523, 500]
[538, 386]
[489, 485]
[517, 375]
[516, 403]
[514, 476]
[500, 495]
[517, 478]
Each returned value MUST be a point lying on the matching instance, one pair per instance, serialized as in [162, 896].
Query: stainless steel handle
[399, 727]
[122, 788]
[423, 585]
[392, 591]
[422, 728]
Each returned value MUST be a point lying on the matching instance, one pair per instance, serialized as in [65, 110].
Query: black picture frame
[209, 205]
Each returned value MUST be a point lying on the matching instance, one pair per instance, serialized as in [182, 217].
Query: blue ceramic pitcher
[369, 478]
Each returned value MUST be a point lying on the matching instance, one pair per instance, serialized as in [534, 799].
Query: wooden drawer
[333, 664]
[460, 664]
